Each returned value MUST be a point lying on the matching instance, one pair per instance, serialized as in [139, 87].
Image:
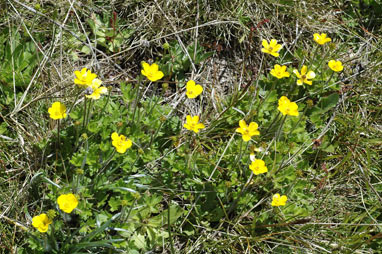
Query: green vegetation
[129, 156]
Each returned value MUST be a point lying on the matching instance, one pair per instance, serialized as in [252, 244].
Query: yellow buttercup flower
[96, 89]
[321, 38]
[272, 48]
[247, 131]
[152, 72]
[258, 167]
[305, 76]
[67, 202]
[287, 107]
[120, 142]
[192, 124]
[57, 111]
[84, 77]
[193, 90]
[280, 72]
[41, 222]
[278, 200]
[335, 65]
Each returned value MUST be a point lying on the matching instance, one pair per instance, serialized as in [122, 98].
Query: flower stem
[90, 108]
[273, 122]
[240, 153]
[58, 135]
[169, 226]
[327, 82]
[280, 128]
[84, 119]
[107, 102]
[136, 97]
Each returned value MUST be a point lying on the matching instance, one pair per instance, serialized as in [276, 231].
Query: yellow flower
[192, 124]
[279, 201]
[280, 72]
[272, 48]
[287, 107]
[96, 89]
[335, 65]
[247, 131]
[57, 110]
[67, 202]
[151, 71]
[304, 76]
[84, 77]
[258, 167]
[193, 90]
[321, 39]
[41, 222]
[120, 142]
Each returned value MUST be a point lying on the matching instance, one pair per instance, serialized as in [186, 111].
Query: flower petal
[277, 47]
[198, 89]
[308, 82]
[154, 67]
[158, 75]
[265, 44]
[304, 69]
[200, 126]
[243, 124]
[297, 73]
[275, 54]
[190, 84]
[253, 126]
[311, 75]
[246, 138]
[114, 136]
[145, 65]
[195, 119]
[273, 43]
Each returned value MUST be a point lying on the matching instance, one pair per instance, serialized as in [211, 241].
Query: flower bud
[309, 103]
[162, 119]
[166, 45]
[79, 171]
[51, 214]
[165, 86]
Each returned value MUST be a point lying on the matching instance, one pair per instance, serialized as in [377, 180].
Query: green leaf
[86, 50]
[94, 126]
[162, 219]
[328, 102]
[139, 241]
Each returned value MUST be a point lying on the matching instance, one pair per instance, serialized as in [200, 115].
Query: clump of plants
[132, 171]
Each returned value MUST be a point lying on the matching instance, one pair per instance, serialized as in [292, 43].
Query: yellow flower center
[192, 125]
[246, 131]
